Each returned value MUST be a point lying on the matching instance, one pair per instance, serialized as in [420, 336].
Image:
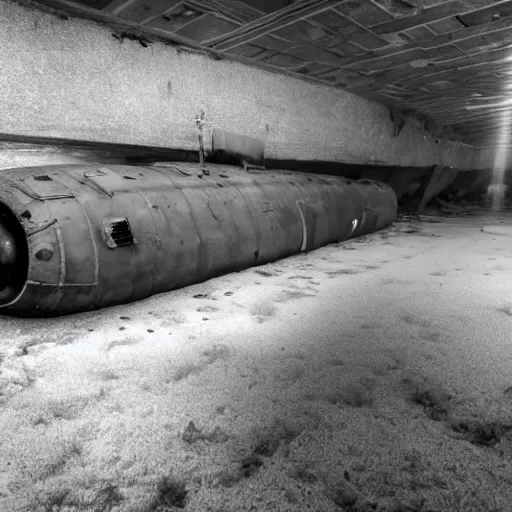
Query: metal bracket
[248, 166]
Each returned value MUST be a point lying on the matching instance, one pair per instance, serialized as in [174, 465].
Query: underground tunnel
[255, 256]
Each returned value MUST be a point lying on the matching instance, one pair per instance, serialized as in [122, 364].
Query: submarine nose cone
[8, 252]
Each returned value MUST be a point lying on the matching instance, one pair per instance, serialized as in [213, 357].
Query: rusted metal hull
[90, 236]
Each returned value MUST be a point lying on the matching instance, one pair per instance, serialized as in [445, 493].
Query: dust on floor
[375, 374]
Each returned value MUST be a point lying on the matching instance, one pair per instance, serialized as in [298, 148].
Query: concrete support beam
[440, 179]
[72, 79]
[407, 182]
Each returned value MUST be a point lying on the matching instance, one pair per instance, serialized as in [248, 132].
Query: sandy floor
[372, 375]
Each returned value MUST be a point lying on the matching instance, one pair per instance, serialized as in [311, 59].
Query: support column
[441, 178]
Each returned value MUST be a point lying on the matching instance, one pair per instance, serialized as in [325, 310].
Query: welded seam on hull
[62, 276]
[17, 185]
[304, 226]
[254, 221]
[38, 229]
[94, 246]
[64, 285]
[150, 207]
[267, 209]
[202, 248]
[60, 239]
[180, 190]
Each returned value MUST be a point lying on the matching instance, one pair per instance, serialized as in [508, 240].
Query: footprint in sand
[216, 352]
[479, 433]
[305, 287]
[172, 320]
[107, 374]
[290, 374]
[505, 230]
[288, 295]
[349, 271]
[374, 325]
[429, 335]
[262, 310]
[507, 309]
[265, 273]
[435, 400]
[393, 280]
[122, 342]
[304, 266]
[351, 394]
[369, 267]
[211, 355]
[192, 435]
[414, 320]
[65, 338]
[207, 309]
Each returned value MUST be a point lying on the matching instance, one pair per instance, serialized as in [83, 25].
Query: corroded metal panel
[136, 231]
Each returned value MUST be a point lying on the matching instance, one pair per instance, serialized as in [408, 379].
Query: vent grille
[119, 233]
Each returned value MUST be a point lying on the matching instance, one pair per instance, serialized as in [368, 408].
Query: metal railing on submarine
[80, 237]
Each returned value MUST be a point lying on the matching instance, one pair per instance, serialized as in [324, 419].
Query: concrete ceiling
[449, 61]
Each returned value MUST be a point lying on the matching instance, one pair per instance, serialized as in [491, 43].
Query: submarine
[80, 237]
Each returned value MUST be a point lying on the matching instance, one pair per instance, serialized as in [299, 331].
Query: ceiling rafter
[273, 21]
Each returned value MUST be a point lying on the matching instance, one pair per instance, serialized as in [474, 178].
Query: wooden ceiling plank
[404, 73]
[282, 18]
[493, 11]
[141, 12]
[398, 59]
[420, 77]
[117, 5]
[467, 33]
[460, 118]
[232, 9]
[373, 56]
[438, 12]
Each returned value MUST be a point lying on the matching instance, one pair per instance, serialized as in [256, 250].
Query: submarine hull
[90, 236]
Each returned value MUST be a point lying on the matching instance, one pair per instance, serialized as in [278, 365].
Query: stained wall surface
[73, 79]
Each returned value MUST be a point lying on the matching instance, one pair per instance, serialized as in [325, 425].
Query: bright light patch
[497, 189]
[505, 103]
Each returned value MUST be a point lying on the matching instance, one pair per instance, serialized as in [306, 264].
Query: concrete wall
[72, 79]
